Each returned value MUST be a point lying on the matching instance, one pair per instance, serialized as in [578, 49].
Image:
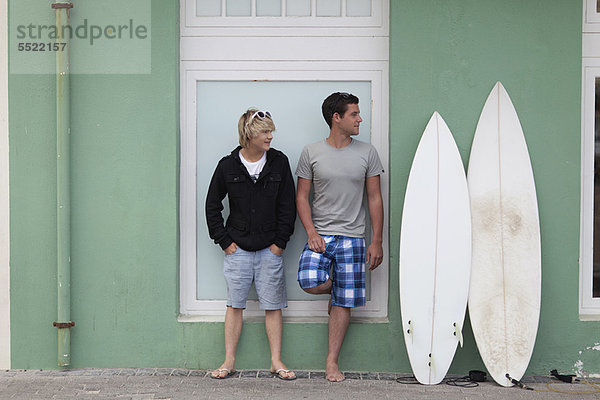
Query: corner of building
[4, 194]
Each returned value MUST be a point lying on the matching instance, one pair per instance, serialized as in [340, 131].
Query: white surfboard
[505, 292]
[435, 253]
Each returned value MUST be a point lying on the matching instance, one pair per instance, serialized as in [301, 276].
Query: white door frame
[4, 194]
[589, 306]
[291, 49]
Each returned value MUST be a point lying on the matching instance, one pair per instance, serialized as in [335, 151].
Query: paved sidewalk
[196, 384]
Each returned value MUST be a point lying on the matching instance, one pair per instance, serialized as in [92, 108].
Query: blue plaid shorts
[345, 258]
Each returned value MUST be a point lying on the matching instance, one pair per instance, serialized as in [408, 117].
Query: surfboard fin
[458, 334]
[410, 331]
[431, 364]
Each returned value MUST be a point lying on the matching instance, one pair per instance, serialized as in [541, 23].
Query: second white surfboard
[505, 293]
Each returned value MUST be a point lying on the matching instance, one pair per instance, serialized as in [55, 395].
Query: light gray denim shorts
[264, 268]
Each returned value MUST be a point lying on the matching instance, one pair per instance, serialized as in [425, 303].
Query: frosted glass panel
[329, 8]
[298, 8]
[358, 8]
[268, 8]
[239, 8]
[208, 8]
[296, 110]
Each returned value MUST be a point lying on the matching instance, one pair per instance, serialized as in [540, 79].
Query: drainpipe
[63, 195]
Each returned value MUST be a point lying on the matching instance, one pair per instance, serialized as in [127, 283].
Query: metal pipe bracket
[60, 325]
[62, 5]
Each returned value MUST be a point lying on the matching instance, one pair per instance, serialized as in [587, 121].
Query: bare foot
[333, 373]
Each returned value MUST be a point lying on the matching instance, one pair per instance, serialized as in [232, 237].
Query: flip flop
[229, 373]
[283, 378]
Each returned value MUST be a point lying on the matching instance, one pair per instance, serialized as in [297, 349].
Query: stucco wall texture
[445, 55]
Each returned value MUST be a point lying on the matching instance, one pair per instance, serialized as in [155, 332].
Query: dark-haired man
[333, 261]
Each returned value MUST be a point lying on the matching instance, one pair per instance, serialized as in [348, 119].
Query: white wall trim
[589, 306]
[591, 18]
[4, 194]
[375, 72]
[285, 49]
[377, 24]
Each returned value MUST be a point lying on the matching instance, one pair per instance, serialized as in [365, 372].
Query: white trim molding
[192, 309]
[375, 24]
[591, 16]
[311, 48]
[589, 306]
[4, 194]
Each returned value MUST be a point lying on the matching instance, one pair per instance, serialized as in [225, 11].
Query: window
[285, 17]
[237, 54]
[591, 16]
[278, 8]
[589, 292]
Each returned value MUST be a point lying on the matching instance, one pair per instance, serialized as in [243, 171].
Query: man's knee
[323, 288]
[312, 290]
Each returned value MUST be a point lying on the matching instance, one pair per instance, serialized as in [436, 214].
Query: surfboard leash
[596, 388]
[407, 380]
[472, 381]
[469, 381]
[517, 383]
[464, 382]
[560, 379]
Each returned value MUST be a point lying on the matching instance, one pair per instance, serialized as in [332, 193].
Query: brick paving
[163, 383]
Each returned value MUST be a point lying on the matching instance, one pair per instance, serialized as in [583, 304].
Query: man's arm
[286, 207]
[375, 250]
[315, 241]
[286, 210]
[217, 190]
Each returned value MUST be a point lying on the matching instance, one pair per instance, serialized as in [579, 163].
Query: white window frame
[589, 306]
[591, 18]
[374, 72]
[374, 25]
[292, 49]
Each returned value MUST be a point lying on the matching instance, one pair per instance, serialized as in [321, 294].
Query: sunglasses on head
[259, 114]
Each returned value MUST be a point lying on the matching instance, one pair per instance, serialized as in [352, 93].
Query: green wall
[446, 55]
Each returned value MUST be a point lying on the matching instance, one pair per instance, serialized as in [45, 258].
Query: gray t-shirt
[338, 177]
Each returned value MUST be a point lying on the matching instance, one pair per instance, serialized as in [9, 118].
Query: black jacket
[260, 213]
